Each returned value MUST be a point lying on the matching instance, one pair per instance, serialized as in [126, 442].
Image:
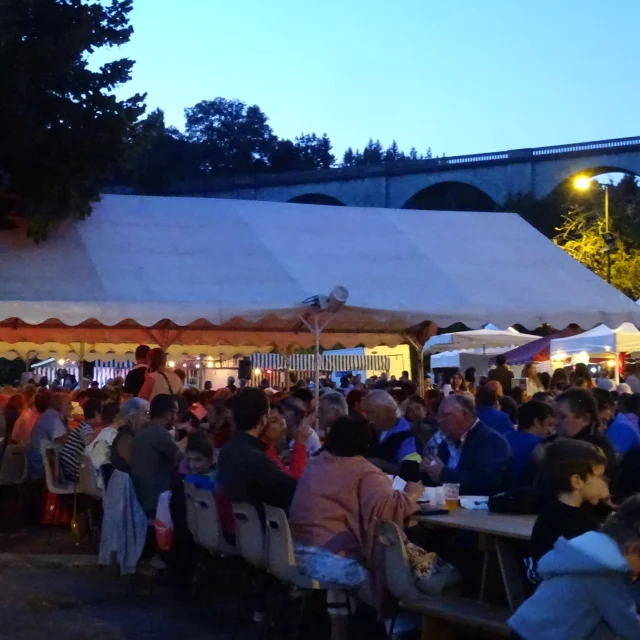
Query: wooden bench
[441, 613]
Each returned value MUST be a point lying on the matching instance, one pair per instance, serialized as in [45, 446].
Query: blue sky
[461, 76]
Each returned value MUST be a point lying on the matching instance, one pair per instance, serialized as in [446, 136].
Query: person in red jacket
[275, 434]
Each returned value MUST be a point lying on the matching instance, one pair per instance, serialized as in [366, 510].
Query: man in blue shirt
[394, 436]
[488, 412]
[535, 423]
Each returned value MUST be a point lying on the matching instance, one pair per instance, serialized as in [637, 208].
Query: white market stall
[480, 339]
[599, 342]
[189, 273]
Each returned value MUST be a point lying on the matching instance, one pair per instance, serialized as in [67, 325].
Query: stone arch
[451, 196]
[316, 198]
[590, 173]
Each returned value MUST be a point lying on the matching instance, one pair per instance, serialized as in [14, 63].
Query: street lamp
[583, 183]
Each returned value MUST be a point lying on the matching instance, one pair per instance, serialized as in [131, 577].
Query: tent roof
[242, 266]
[478, 339]
[538, 350]
[600, 340]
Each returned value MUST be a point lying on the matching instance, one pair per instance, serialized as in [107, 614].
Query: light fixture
[257, 372]
[209, 365]
[593, 369]
[611, 363]
[198, 365]
[582, 183]
[171, 364]
[61, 361]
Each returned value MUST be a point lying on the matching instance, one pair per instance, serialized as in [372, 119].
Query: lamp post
[583, 183]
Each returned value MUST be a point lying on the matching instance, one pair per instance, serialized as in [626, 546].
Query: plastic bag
[163, 523]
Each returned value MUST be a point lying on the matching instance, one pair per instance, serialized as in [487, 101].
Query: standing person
[581, 372]
[158, 379]
[154, 454]
[231, 384]
[16, 406]
[604, 382]
[534, 384]
[24, 424]
[501, 373]
[632, 379]
[79, 438]
[585, 591]
[470, 379]
[559, 381]
[623, 435]
[51, 425]
[134, 381]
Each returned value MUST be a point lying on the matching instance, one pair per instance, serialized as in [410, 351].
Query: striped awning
[306, 362]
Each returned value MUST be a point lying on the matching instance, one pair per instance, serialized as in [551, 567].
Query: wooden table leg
[511, 574]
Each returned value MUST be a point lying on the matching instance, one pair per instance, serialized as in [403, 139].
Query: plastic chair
[87, 482]
[207, 522]
[13, 470]
[281, 559]
[190, 508]
[49, 452]
[250, 539]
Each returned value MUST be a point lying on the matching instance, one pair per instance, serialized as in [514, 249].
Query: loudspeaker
[244, 369]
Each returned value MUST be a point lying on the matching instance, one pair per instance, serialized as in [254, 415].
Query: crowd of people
[561, 446]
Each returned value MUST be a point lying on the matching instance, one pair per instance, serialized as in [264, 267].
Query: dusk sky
[460, 76]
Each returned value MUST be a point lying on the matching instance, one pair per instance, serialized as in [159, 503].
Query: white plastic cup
[439, 496]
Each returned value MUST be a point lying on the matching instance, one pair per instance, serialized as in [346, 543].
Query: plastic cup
[451, 496]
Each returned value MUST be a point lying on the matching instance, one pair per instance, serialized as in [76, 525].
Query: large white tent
[601, 341]
[200, 272]
[477, 339]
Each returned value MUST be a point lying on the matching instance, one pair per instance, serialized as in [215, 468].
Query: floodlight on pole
[582, 183]
[312, 309]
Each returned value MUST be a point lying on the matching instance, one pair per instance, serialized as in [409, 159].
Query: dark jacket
[135, 379]
[248, 474]
[503, 375]
[495, 419]
[483, 463]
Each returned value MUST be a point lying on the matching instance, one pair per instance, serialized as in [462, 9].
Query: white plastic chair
[87, 481]
[250, 539]
[50, 460]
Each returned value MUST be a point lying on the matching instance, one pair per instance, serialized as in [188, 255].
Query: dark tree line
[225, 138]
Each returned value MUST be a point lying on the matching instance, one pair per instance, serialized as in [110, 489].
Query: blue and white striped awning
[306, 362]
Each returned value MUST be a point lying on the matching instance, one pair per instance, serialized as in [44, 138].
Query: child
[199, 458]
[535, 423]
[574, 472]
[585, 593]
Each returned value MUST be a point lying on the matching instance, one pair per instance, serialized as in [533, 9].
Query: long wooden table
[498, 532]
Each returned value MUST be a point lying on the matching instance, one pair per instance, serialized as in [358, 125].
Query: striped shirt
[72, 450]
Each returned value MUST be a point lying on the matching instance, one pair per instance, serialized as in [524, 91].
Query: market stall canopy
[210, 271]
[599, 341]
[478, 339]
[539, 350]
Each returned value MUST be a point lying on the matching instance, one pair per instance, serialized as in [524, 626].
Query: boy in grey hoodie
[585, 594]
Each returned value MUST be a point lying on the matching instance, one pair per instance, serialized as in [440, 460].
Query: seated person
[99, 450]
[488, 411]
[629, 407]
[535, 423]
[577, 418]
[51, 425]
[245, 471]
[275, 435]
[468, 451]
[574, 471]
[394, 439]
[79, 438]
[331, 406]
[617, 429]
[133, 417]
[339, 501]
[154, 454]
[585, 589]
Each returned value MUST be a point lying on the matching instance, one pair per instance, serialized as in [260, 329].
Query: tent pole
[616, 370]
[317, 366]
[81, 365]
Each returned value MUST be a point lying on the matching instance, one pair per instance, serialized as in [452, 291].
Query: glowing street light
[582, 183]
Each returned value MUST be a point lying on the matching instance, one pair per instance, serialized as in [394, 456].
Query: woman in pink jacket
[339, 501]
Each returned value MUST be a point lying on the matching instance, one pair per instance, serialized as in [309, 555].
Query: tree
[315, 152]
[234, 138]
[64, 131]
[393, 154]
[161, 156]
[349, 158]
[372, 153]
[581, 234]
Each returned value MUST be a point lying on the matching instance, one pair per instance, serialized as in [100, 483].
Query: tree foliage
[64, 131]
[581, 231]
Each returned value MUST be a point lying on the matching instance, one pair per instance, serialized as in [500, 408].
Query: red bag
[55, 512]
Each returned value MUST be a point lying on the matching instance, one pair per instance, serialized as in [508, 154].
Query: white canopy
[477, 339]
[233, 272]
[600, 341]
